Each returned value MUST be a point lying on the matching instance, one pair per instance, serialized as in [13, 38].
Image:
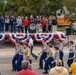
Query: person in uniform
[31, 45]
[61, 51]
[2, 23]
[20, 57]
[15, 57]
[49, 59]
[27, 53]
[56, 56]
[44, 54]
[12, 23]
[71, 52]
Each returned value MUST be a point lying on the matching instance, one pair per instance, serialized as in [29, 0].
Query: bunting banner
[36, 37]
[21, 37]
[39, 37]
[2, 36]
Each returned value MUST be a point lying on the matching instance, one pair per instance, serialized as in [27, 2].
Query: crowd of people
[21, 24]
[51, 54]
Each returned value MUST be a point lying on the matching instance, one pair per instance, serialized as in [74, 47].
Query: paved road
[7, 53]
[5, 66]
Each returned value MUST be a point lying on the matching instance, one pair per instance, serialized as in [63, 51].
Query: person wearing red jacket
[26, 23]
[44, 24]
[25, 69]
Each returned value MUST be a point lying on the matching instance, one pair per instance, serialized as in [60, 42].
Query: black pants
[49, 28]
[20, 29]
[25, 29]
[32, 52]
[13, 29]
[44, 28]
[6, 27]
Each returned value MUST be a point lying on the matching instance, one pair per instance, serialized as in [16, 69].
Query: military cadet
[31, 45]
[56, 55]
[12, 23]
[44, 54]
[15, 57]
[27, 53]
[49, 59]
[20, 57]
[2, 24]
[71, 52]
[60, 46]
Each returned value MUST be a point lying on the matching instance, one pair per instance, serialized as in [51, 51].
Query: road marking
[1, 65]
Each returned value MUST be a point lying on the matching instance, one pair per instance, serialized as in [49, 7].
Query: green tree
[2, 3]
[71, 7]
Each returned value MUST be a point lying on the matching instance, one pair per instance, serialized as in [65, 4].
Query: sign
[32, 28]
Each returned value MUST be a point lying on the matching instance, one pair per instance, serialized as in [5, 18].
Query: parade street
[6, 58]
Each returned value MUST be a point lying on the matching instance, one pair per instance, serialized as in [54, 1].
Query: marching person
[56, 55]
[27, 53]
[71, 52]
[15, 57]
[31, 44]
[61, 51]
[20, 56]
[49, 59]
[44, 54]
[58, 69]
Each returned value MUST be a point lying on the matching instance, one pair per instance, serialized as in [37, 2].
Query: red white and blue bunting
[2, 36]
[37, 37]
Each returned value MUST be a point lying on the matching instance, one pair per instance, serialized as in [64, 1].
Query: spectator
[26, 23]
[54, 24]
[19, 23]
[37, 23]
[12, 25]
[25, 69]
[44, 24]
[58, 69]
[7, 21]
[73, 65]
[50, 24]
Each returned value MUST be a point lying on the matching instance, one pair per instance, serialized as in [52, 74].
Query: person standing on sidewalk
[26, 24]
[31, 45]
[54, 24]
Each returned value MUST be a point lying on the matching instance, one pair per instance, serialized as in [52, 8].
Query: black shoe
[36, 58]
[45, 72]
[13, 70]
[40, 68]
